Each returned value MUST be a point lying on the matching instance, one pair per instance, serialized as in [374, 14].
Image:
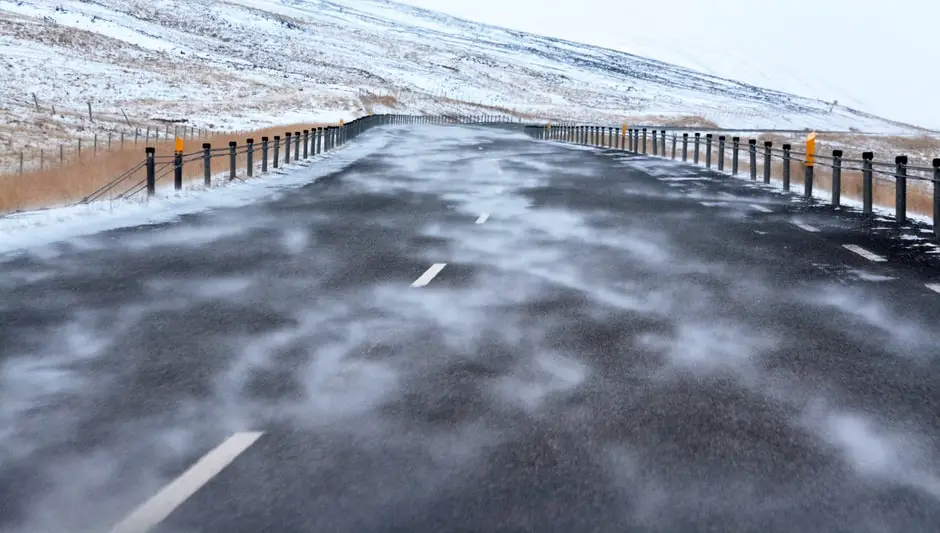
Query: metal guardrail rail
[642, 140]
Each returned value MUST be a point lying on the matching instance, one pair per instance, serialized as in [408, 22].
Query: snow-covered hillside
[826, 49]
[237, 64]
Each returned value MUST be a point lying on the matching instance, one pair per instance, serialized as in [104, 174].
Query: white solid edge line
[935, 287]
[806, 227]
[429, 275]
[864, 253]
[483, 218]
[761, 208]
[157, 508]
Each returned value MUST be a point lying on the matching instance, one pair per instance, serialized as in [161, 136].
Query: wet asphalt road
[615, 344]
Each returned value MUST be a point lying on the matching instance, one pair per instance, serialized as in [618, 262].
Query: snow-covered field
[241, 64]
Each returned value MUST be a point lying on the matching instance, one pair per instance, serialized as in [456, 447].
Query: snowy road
[467, 330]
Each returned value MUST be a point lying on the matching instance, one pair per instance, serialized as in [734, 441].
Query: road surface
[469, 330]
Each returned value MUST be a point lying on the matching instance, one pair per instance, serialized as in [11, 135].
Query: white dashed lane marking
[156, 509]
[806, 227]
[935, 287]
[761, 208]
[864, 253]
[483, 218]
[429, 274]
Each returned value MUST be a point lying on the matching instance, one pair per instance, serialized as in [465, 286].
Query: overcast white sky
[882, 57]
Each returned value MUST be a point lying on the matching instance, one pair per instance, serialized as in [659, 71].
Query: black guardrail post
[232, 162]
[644, 142]
[752, 157]
[151, 170]
[264, 154]
[768, 146]
[655, 142]
[696, 147]
[277, 152]
[936, 198]
[721, 153]
[808, 180]
[674, 140]
[178, 170]
[685, 147]
[867, 182]
[708, 150]
[251, 157]
[900, 190]
[207, 164]
[836, 177]
[297, 146]
[317, 142]
[287, 142]
[786, 166]
[735, 148]
[662, 140]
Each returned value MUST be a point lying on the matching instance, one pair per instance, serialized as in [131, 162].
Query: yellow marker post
[810, 149]
[178, 165]
[341, 122]
[808, 169]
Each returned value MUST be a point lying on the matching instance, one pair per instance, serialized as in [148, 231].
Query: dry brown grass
[80, 176]
[690, 121]
[683, 121]
[491, 108]
[370, 101]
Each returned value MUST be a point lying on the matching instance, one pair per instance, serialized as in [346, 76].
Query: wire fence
[55, 152]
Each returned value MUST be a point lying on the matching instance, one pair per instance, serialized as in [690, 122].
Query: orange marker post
[810, 161]
[810, 149]
[178, 165]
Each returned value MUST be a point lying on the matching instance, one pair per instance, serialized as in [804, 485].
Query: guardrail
[643, 141]
[294, 146]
